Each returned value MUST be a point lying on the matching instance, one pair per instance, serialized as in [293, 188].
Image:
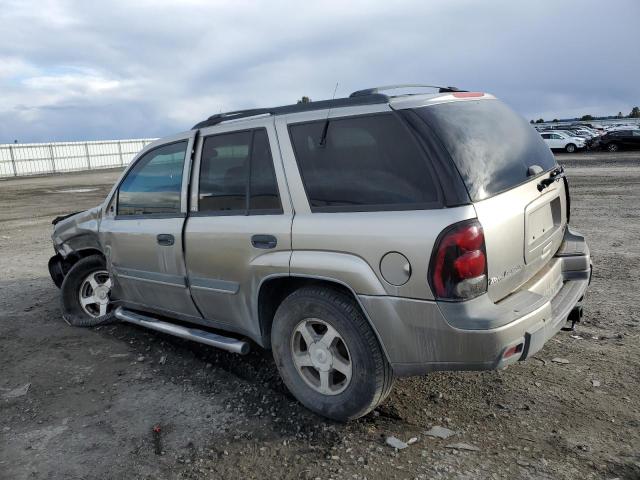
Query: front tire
[570, 148]
[613, 147]
[86, 293]
[328, 355]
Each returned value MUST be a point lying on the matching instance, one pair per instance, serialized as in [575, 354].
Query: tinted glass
[264, 189]
[154, 183]
[224, 171]
[368, 161]
[491, 145]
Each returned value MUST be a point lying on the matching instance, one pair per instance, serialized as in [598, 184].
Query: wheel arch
[59, 266]
[273, 290]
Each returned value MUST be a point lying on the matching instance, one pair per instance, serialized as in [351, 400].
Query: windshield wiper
[556, 175]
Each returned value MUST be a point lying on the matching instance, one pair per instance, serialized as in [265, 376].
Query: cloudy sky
[81, 70]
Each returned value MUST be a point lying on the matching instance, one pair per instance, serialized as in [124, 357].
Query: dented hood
[57, 220]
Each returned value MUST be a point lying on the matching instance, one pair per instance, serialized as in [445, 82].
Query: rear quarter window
[491, 146]
[369, 162]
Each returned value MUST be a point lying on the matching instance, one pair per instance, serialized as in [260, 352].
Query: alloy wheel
[94, 293]
[321, 356]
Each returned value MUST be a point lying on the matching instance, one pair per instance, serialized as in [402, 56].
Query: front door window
[154, 183]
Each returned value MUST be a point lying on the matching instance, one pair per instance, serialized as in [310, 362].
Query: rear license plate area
[542, 221]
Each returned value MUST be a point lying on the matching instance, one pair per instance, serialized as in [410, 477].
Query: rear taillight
[458, 269]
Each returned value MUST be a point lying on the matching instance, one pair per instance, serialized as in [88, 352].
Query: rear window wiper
[555, 175]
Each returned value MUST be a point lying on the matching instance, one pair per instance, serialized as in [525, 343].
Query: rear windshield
[492, 146]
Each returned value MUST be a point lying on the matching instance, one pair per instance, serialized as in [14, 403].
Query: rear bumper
[421, 336]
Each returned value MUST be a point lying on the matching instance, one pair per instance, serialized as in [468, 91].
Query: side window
[224, 168]
[232, 162]
[154, 183]
[263, 190]
[365, 162]
[546, 136]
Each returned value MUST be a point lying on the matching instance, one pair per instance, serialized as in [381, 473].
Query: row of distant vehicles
[585, 136]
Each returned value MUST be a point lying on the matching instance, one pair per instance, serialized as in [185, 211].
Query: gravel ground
[83, 403]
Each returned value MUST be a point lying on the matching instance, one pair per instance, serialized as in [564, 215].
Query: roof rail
[222, 117]
[295, 108]
[374, 90]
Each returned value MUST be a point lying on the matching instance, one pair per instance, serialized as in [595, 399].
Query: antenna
[323, 138]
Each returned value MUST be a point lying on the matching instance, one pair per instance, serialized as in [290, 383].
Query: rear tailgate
[523, 229]
[501, 160]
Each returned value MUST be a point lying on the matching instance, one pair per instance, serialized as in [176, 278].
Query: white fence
[18, 159]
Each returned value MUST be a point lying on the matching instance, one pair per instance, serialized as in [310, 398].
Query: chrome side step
[201, 336]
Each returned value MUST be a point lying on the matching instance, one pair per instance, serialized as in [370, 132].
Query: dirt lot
[82, 403]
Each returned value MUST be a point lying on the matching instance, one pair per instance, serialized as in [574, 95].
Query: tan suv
[360, 239]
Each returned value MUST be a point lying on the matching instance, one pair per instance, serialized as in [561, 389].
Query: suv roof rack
[375, 90]
[298, 107]
[221, 117]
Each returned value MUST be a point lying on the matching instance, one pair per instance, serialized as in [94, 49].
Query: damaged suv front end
[74, 236]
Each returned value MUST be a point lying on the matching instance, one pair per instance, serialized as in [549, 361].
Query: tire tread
[70, 312]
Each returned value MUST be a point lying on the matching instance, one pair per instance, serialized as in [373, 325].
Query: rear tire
[570, 148]
[342, 381]
[85, 294]
[613, 147]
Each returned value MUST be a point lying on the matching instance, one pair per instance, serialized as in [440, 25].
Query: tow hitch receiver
[574, 317]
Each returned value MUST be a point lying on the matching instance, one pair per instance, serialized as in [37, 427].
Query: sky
[83, 70]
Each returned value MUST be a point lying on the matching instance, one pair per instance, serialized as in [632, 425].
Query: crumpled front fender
[77, 232]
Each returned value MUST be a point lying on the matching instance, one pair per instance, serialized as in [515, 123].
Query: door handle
[264, 241]
[165, 239]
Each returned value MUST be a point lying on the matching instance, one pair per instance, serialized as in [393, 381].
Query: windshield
[492, 146]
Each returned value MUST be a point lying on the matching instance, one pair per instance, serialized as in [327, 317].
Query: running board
[201, 336]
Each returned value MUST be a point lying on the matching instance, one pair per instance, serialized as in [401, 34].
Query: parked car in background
[593, 131]
[591, 139]
[576, 127]
[615, 140]
[558, 140]
[583, 132]
[595, 126]
[622, 127]
[573, 132]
